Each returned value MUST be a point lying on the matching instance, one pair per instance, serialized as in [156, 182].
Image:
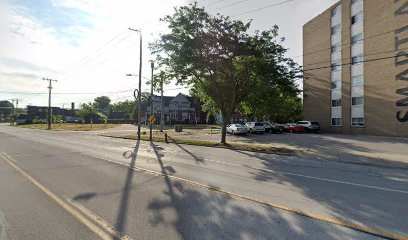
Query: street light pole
[140, 84]
[162, 107]
[151, 100]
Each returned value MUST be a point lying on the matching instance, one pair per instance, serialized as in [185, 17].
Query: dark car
[276, 128]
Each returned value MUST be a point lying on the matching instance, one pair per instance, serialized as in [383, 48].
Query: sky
[87, 47]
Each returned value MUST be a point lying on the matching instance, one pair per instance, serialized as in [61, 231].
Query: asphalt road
[71, 185]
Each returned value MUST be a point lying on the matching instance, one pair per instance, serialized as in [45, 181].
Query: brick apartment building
[356, 68]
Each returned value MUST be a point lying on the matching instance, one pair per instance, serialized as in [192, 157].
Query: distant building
[178, 109]
[356, 68]
[41, 113]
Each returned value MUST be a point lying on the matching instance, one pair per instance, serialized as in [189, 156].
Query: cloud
[19, 75]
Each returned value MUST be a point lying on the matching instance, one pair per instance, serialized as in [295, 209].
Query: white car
[255, 127]
[236, 128]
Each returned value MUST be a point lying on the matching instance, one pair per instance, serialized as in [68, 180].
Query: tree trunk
[224, 128]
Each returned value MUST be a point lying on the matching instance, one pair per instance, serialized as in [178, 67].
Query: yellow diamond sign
[152, 119]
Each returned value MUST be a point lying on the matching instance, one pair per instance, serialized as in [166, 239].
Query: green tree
[86, 111]
[102, 104]
[36, 120]
[220, 59]
[58, 119]
[127, 106]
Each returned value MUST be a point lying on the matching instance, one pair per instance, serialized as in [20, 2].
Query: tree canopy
[225, 65]
[103, 104]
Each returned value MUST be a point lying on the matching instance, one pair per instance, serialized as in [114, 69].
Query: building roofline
[320, 14]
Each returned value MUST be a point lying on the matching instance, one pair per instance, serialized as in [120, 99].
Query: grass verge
[234, 146]
[69, 126]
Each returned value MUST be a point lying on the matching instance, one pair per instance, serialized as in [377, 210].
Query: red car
[293, 128]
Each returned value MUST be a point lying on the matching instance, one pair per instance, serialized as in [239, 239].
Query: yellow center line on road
[340, 222]
[100, 231]
[98, 219]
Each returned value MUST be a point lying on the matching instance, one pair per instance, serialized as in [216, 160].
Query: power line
[66, 93]
[230, 5]
[371, 54]
[344, 64]
[83, 65]
[344, 44]
[215, 2]
[90, 67]
[90, 55]
[262, 8]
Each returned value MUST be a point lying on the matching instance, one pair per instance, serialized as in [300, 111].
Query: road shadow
[198, 160]
[345, 202]
[199, 213]
[121, 219]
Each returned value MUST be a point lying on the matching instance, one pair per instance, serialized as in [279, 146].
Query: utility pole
[162, 107]
[13, 114]
[140, 83]
[151, 100]
[49, 100]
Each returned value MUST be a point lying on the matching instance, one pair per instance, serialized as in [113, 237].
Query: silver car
[309, 126]
[236, 128]
[255, 127]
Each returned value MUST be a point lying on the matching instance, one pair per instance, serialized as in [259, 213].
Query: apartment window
[357, 80]
[336, 10]
[336, 103]
[336, 29]
[336, 48]
[354, 1]
[357, 18]
[336, 65]
[357, 59]
[336, 121]
[357, 122]
[357, 38]
[335, 84]
[357, 101]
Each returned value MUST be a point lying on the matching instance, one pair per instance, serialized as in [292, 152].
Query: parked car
[309, 126]
[294, 128]
[276, 128]
[255, 127]
[268, 126]
[271, 127]
[237, 128]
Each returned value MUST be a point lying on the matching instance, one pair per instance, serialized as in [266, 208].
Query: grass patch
[234, 146]
[70, 126]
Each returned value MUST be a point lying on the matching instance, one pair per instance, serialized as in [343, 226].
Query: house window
[357, 38]
[357, 101]
[336, 29]
[354, 1]
[336, 48]
[336, 10]
[357, 122]
[336, 121]
[336, 65]
[336, 103]
[335, 84]
[357, 80]
[357, 59]
[357, 18]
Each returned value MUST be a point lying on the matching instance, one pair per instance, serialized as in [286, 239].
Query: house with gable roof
[179, 109]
